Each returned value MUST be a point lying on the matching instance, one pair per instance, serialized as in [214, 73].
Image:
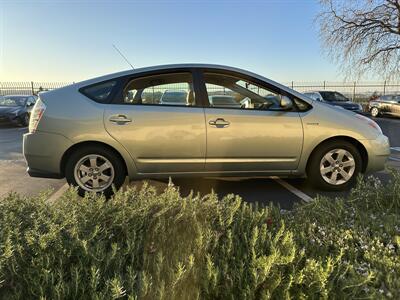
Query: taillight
[36, 115]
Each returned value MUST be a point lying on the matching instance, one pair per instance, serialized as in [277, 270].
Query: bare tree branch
[362, 35]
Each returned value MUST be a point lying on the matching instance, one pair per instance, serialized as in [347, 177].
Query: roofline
[188, 65]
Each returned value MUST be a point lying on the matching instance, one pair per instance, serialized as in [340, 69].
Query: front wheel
[334, 166]
[374, 112]
[95, 169]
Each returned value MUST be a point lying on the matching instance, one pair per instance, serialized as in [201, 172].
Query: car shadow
[263, 191]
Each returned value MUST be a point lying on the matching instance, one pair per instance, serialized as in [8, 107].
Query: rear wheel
[95, 169]
[335, 166]
[24, 120]
[374, 112]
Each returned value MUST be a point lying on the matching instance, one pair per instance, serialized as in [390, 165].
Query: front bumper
[43, 152]
[378, 151]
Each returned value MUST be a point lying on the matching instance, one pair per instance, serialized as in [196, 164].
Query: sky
[72, 40]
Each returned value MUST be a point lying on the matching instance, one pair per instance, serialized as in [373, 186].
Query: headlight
[370, 122]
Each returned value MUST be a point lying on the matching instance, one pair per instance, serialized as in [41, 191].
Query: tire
[319, 164]
[88, 168]
[25, 120]
[375, 112]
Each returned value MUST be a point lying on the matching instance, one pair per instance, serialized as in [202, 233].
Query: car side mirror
[285, 103]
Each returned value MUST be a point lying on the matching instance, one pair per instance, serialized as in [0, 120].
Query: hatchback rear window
[99, 92]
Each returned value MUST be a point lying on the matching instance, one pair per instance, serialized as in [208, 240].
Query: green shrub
[144, 245]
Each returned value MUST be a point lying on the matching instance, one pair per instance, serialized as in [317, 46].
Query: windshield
[175, 97]
[333, 97]
[13, 101]
[223, 100]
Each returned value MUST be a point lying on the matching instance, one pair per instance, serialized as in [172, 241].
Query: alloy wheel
[337, 166]
[94, 173]
[374, 112]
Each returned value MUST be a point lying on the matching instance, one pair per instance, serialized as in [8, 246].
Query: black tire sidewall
[313, 169]
[118, 166]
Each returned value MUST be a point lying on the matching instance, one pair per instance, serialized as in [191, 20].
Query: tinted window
[239, 93]
[333, 96]
[99, 92]
[166, 89]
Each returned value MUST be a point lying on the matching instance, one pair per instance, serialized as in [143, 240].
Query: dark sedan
[388, 104]
[335, 99]
[16, 109]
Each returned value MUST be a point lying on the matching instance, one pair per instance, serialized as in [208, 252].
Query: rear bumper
[378, 152]
[43, 174]
[43, 153]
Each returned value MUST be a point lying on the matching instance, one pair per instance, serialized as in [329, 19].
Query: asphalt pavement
[285, 192]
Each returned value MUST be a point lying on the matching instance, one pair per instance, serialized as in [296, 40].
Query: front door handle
[219, 122]
[120, 119]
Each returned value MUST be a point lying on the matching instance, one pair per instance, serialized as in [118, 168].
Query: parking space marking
[395, 149]
[57, 194]
[292, 189]
[394, 159]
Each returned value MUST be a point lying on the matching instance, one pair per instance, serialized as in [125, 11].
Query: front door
[246, 129]
[160, 124]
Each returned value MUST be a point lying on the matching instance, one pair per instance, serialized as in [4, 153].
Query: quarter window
[231, 92]
[99, 92]
[167, 89]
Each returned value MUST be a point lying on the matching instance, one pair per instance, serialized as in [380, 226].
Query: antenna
[123, 56]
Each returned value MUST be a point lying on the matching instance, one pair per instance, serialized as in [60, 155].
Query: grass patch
[141, 245]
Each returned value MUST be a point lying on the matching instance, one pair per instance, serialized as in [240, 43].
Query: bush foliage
[144, 245]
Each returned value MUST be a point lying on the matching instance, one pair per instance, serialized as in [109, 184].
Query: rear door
[162, 138]
[251, 137]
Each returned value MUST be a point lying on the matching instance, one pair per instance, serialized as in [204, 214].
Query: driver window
[231, 92]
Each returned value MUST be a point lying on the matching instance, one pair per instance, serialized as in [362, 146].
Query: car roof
[78, 85]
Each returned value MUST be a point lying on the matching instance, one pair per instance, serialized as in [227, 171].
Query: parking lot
[284, 192]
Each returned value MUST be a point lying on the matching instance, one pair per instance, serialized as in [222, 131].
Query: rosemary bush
[144, 245]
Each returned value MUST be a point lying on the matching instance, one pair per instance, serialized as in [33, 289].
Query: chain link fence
[357, 91]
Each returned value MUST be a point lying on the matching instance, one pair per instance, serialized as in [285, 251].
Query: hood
[5, 110]
[345, 104]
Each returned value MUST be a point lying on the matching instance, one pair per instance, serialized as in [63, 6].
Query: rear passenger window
[99, 92]
[166, 89]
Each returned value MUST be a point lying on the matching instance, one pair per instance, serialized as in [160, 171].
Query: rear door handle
[120, 119]
[219, 122]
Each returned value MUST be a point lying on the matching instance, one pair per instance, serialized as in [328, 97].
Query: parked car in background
[16, 108]
[336, 99]
[223, 101]
[385, 105]
[171, 97]
[96, 133]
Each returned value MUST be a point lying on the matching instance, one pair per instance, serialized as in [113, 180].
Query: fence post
[33, 92]
[384, 87]
[354, 91]
[292, 84]
[324, 84]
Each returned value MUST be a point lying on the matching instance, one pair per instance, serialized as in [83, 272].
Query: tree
[362, 35]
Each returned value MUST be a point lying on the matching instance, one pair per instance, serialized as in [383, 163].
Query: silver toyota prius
[96, 132]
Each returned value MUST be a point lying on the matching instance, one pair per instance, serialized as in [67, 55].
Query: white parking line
[394, 159]
[395, 149]
[57, 194]
[292, 189]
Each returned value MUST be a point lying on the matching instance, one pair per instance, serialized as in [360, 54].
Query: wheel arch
[79, 145]
[359, 146]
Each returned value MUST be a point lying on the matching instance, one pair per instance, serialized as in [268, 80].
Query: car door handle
[120, 119]
[220, 123]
